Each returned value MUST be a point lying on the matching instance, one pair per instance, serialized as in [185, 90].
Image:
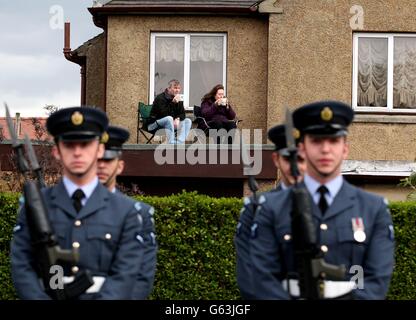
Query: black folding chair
[202, 124]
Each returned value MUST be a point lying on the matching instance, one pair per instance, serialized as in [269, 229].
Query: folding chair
[143, 121]
[203, 125]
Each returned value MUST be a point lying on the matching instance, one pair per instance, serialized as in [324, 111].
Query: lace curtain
[372, 72]
[404, 76]
[204, 49]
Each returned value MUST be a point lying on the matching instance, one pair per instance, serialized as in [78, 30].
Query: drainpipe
[73, 57]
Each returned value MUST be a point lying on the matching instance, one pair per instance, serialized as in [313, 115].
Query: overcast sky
[33, 69]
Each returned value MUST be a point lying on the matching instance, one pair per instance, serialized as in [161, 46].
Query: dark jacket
[211, 112]
[163, 106]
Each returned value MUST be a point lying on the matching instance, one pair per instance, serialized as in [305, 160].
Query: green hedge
[196, 258]
[403, 284]
[8, 208]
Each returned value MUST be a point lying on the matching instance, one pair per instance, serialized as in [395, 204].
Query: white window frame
[390, 67]
[187, 61]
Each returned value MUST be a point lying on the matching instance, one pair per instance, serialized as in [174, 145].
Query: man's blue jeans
[167, 124]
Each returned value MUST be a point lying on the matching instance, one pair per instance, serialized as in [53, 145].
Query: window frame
[390, 70]
[187, 62]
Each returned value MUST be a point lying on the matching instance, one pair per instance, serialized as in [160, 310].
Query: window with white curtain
[197, 60]
[384, 72]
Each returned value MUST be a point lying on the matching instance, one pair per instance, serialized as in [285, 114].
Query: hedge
[196, 258]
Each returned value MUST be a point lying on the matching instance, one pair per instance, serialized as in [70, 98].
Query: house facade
[269, 55]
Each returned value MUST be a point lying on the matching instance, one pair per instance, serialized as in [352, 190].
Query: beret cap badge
[296, 133]
[77, 118]
[104, 137]
[326, 114]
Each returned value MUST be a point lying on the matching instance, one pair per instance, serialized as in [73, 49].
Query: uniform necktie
[77, 196]
[323, 205]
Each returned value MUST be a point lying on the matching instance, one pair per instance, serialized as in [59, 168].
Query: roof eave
[175, 9]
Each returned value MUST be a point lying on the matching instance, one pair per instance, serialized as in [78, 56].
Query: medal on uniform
[358, 229]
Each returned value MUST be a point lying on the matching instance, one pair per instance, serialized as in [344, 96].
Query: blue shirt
[88, 189]
[333, 187]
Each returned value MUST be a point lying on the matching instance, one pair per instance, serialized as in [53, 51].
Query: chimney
[18, 125]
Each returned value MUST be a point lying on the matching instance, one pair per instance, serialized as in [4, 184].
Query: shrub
[196, 258]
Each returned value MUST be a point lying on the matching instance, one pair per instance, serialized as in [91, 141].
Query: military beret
[116, 137]
[326, 118]
[277, 135]
[77, 123]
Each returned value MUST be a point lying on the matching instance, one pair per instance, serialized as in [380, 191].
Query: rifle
[252, 183]
[46, 250]
[311, 267]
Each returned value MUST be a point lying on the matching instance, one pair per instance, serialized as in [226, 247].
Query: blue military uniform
[356, 229]
[271, 245]
[245, 227]
[146, 274]
[110, 245]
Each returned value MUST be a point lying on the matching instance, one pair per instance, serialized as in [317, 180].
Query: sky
[33, 69]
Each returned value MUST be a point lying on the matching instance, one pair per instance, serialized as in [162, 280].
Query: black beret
[326, 118]
[116, 137]
[77, 123]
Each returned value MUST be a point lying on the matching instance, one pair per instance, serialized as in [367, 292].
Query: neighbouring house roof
[25, 125]
[83, 49]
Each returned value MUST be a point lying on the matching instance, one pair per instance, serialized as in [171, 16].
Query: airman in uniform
[110, 165]
[245, 225]
[106, 228]
[354, 228]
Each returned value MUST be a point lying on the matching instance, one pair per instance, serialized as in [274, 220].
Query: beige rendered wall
[310, 58]
[392, 192]
[95, 73]
[128, 63]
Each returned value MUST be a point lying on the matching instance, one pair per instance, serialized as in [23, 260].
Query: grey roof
[83, 48]
[241, 7]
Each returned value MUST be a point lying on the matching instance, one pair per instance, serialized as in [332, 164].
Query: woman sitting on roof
[217, 111]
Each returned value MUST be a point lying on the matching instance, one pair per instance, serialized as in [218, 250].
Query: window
[197, 60]
[384, 72]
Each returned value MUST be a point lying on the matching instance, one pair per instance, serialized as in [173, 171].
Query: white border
[390, 65]
[187, 52]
